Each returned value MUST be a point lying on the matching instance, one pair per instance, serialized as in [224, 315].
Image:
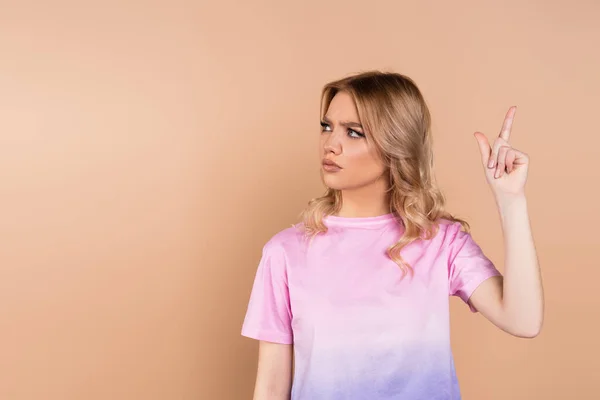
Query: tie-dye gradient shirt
[360, 331]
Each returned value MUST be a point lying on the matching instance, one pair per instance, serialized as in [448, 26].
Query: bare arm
[514, 303]
[274, 374]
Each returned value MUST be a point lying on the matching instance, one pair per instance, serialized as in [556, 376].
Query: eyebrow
[347, 124]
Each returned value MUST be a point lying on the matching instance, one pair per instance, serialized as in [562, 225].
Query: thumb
[484, 147]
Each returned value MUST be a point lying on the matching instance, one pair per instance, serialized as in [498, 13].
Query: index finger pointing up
[508, 121]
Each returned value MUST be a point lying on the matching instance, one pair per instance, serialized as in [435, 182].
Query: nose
[333, 144]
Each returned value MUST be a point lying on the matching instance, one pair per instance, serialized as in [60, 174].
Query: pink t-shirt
[359, 331]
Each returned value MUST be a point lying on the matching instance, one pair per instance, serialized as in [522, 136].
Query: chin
[332, 182]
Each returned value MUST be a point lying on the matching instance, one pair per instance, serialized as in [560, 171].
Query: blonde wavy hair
[395, 115]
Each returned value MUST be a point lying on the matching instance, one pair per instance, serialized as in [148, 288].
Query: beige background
[148, 149]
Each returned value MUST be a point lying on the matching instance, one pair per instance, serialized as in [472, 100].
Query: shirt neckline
[334, 220]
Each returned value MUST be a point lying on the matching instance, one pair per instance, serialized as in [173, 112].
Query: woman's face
[343, 142]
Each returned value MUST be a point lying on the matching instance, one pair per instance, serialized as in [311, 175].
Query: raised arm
[515, 303]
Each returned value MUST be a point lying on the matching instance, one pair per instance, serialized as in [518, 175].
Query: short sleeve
[469, 267]
[268, 316]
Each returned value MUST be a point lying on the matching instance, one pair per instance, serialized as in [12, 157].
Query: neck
[367, 201]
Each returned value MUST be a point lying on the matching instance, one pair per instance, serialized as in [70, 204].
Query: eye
[325, 127]
[355, 134]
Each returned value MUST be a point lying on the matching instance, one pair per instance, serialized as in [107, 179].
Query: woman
[354, 301]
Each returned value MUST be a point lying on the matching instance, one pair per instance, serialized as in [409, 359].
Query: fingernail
[491, 163]
[497, 174]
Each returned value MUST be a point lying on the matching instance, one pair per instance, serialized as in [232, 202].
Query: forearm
[523, 298]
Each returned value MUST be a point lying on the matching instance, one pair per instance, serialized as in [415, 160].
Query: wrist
[509, 204]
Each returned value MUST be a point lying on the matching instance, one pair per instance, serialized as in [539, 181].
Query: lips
[330, 163]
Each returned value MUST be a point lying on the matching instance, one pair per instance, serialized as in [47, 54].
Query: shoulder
[451, 232]
[286, 240]
[457, 242]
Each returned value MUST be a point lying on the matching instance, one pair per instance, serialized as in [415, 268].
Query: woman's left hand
[505, 167]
